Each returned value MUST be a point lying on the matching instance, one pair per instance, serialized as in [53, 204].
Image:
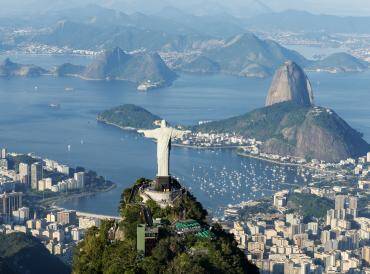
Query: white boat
[54, 105]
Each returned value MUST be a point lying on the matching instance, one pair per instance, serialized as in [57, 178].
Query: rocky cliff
[321, 134]
[137, 67]
[290, 83]
[291, 125]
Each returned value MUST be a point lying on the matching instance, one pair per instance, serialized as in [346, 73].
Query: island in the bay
[144, 68]
[289, 125]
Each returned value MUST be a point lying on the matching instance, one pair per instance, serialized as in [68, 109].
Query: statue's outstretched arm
[153, 133]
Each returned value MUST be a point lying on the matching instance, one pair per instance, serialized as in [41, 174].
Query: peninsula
[11, 69]
[289, 125]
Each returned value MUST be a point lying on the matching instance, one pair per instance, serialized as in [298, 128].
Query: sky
[236, 7]
[338, 7]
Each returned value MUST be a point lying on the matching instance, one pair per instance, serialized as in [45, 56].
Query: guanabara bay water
[29, 121]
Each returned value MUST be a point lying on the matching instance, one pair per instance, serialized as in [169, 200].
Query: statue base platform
[163, 190]
[163, 182]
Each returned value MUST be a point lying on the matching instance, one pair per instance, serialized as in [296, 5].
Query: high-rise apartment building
[340, 202]
[10, 202]
[25, 173]
[80, 179]
[36, 174]
[67, 217]
[3, 153]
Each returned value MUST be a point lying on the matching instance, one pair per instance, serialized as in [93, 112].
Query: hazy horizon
[240, 8]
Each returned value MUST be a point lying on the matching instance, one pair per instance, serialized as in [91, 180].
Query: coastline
[60, 199]
[282, 163]
[269, 160]
[233, 147]
[103, 121]
[173, 144]
[211, 147]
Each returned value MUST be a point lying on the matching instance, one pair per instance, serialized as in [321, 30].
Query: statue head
[163, 123]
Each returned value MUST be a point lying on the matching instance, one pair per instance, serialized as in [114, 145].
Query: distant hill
[129, 116]
[219, 25]
[139, 67]
[9, 69]
[96, 36]
[294, 20]
[169, 20]
[21, 253]
[339, 62]
[95, 27]
[248, 56]
[289, 129]
[68, 69]
[136, 67]
[201, 64]
[291, 125]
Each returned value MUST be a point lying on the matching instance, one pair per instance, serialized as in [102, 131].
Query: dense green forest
[112, 247]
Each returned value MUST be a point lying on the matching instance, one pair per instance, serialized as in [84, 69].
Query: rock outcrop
[319, 134]
[136, 67]
[290, 83]
[291, 125]
[11, 69]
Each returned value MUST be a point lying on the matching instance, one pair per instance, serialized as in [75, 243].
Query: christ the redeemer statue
[163, 135]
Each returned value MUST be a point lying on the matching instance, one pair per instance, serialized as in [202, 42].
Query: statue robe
[163, 135]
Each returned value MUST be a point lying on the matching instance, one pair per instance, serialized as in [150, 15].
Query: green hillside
[211, 250]
[129, 116]
[290, 129]
[342, 62]
[21, 253]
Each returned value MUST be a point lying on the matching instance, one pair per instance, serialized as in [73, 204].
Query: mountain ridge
[139, 67]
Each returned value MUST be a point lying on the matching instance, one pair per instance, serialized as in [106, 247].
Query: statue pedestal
[163, 182]
[163, 190]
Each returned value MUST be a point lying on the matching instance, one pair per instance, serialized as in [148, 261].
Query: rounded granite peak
[290, 83]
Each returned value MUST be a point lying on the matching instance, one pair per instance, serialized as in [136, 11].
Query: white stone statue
[163, 135]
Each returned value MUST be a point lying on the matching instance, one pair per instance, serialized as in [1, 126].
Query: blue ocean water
[217, 178]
